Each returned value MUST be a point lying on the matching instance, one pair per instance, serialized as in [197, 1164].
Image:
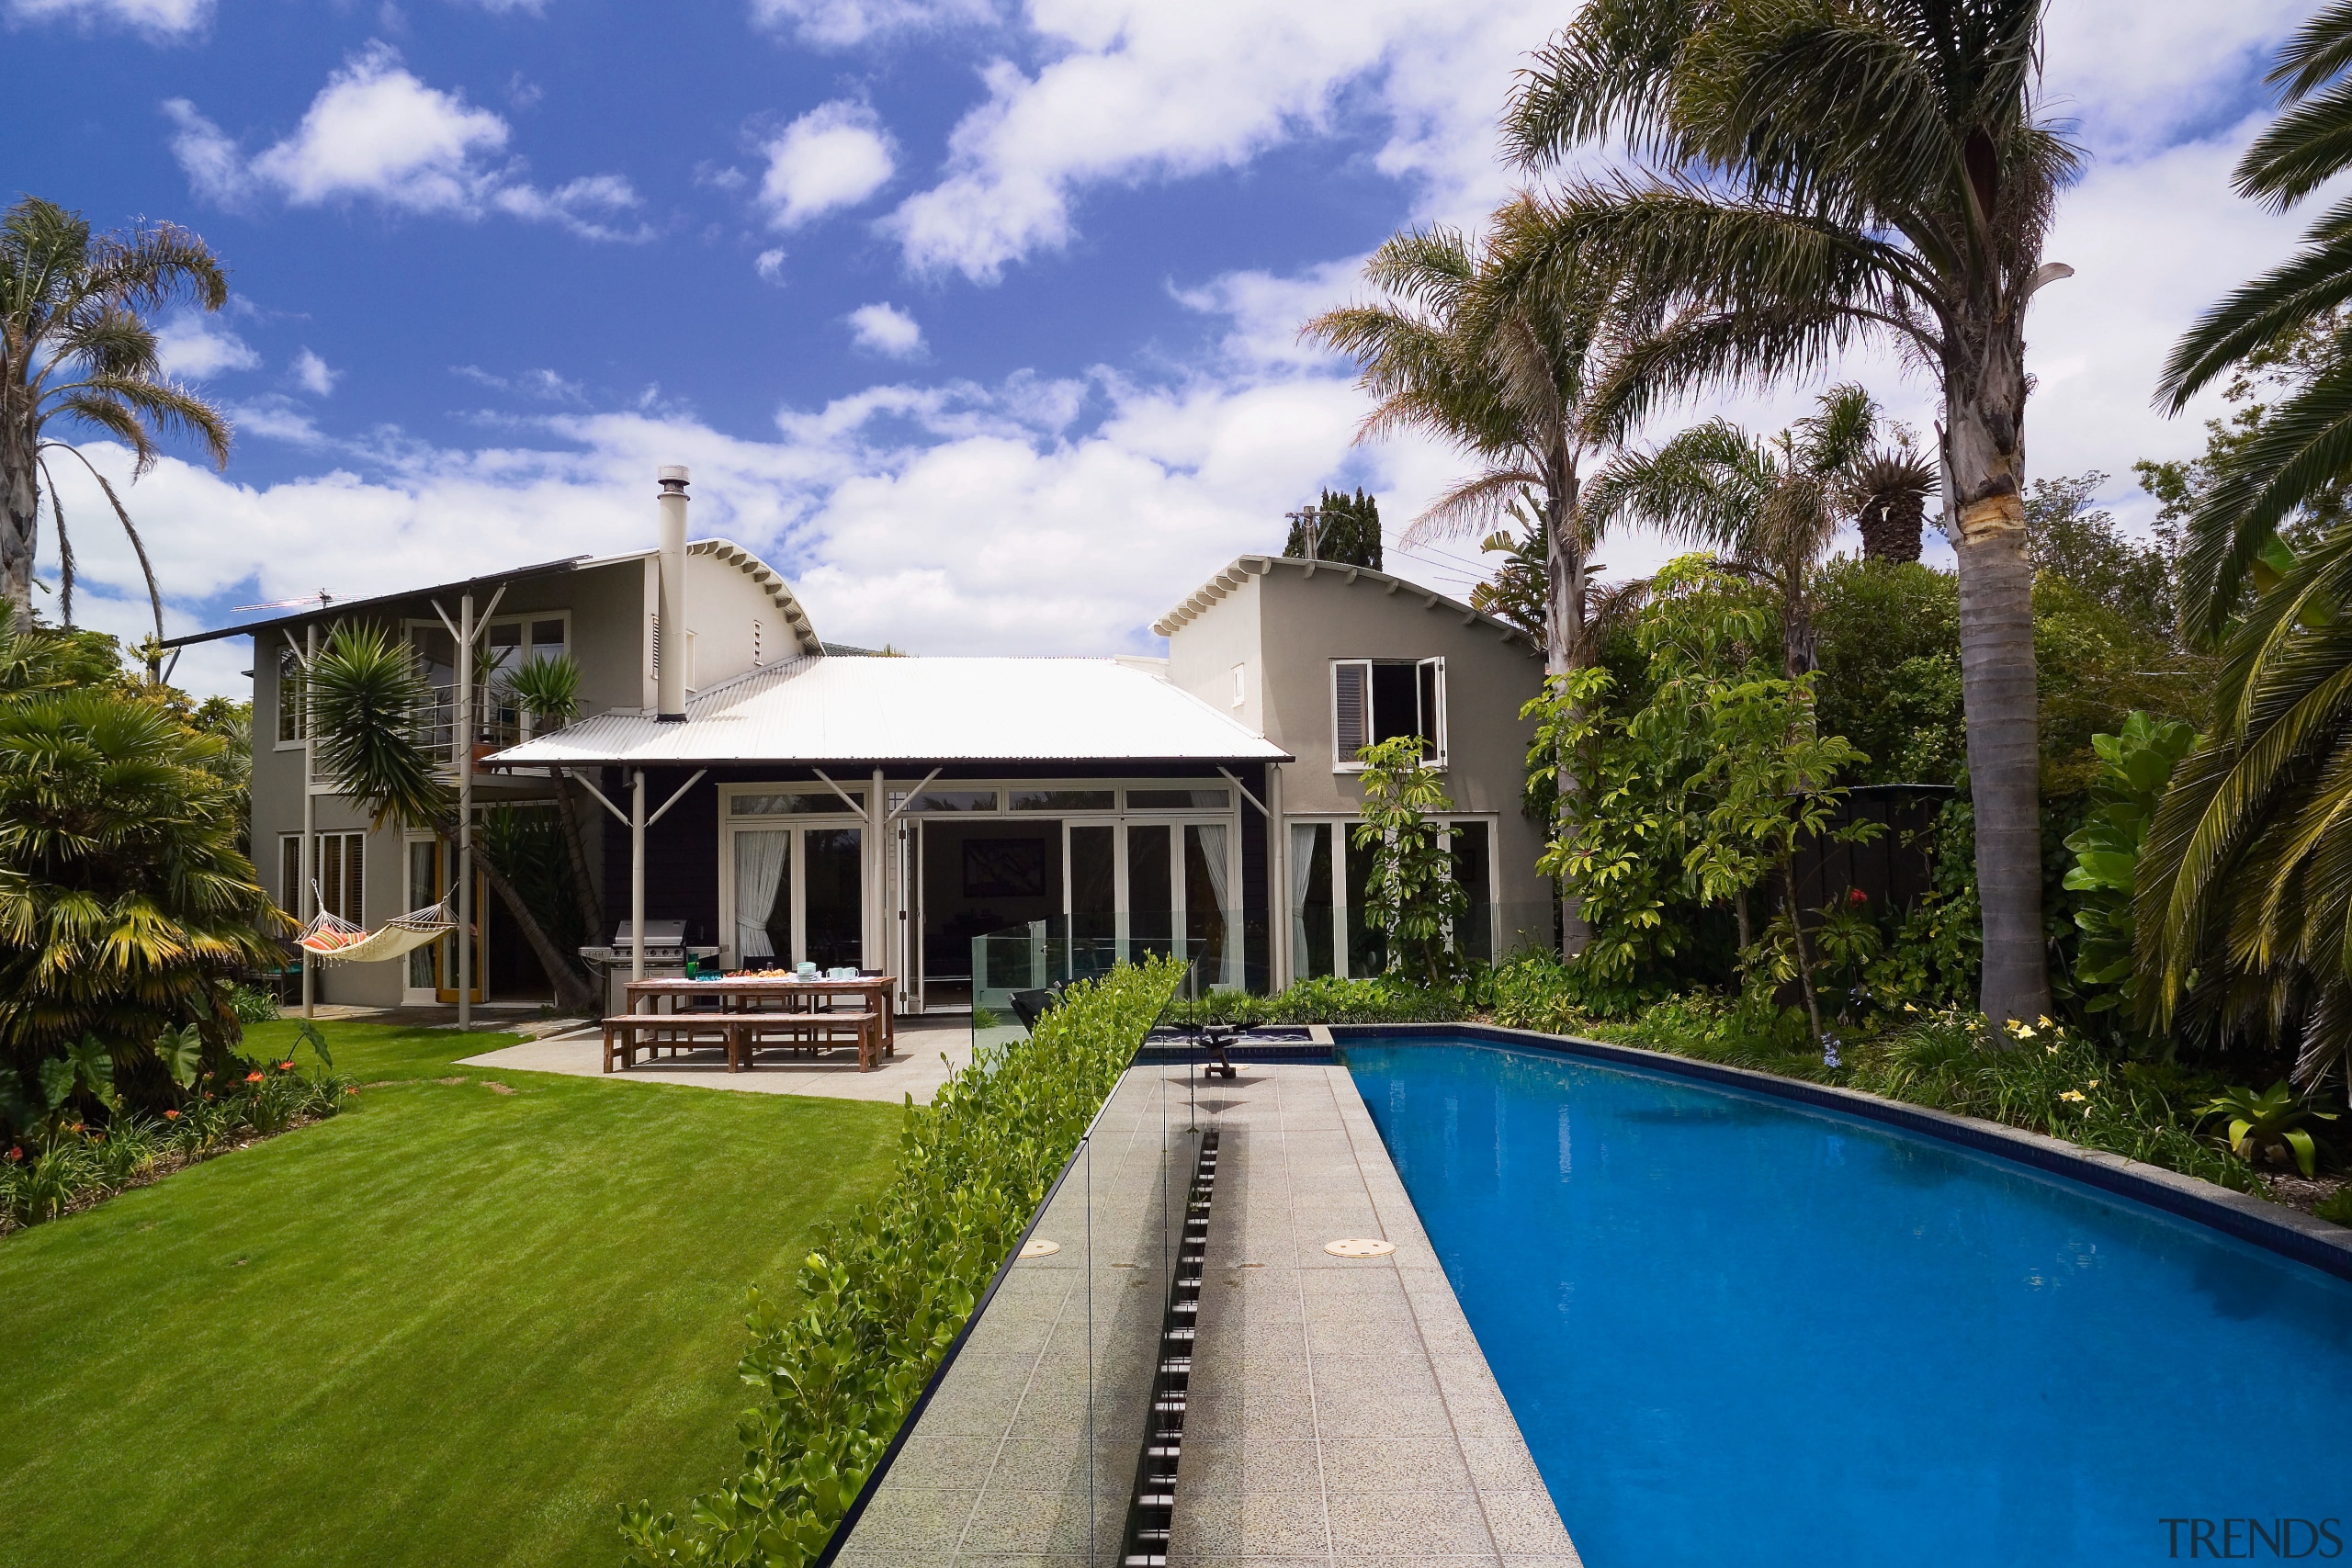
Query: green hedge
[886, 1294]
[1380, 999]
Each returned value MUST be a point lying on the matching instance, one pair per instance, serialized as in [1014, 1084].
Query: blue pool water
[1739, 1330]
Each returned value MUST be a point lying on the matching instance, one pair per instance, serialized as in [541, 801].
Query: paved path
[1341, 1409]
[916, 1070]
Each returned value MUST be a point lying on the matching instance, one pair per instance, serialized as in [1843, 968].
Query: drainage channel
[1153, 1509]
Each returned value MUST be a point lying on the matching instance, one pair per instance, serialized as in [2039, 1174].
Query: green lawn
[450, 1326]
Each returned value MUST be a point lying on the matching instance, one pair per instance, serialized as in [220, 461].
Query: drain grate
[1153, 1511]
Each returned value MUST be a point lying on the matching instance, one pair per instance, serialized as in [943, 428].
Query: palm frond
[2265, 312]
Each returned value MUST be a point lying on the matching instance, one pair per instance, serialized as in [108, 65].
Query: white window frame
[305, 872]
[797, 823]
[287, 665]
[1434, 726]
[1342, 912]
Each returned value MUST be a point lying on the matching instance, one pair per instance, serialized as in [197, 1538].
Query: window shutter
[1351, 709]
[1433, 710]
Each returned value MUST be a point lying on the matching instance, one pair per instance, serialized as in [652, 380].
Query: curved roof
[915, 710]
[1244, 567]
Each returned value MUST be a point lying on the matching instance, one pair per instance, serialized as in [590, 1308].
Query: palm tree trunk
[20, 519]
[1565, 650]
[572, 993]
[1984, 454]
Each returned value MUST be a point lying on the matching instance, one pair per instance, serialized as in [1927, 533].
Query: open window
[1374, 700]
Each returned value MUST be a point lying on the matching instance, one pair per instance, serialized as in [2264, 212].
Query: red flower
[353, 1089]
[16, 1154]
[253, 1077]
[1855, 896]
[285, 1066]
[171, 1116]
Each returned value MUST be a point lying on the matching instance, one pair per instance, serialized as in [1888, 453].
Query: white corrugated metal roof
[908, 710]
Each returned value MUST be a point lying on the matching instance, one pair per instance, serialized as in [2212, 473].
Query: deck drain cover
[1359, 1246]
[1041, 1247]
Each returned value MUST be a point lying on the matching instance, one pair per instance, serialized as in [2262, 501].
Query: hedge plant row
[886, 1291]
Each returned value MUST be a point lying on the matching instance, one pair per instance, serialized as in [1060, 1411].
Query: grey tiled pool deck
[1339, 1412]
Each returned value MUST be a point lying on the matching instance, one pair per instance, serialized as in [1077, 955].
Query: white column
[636, 878]
[465, 743]
[881, 912]
[1278, 911]
[306, 861]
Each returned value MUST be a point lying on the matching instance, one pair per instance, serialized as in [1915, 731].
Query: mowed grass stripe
[450, 1326]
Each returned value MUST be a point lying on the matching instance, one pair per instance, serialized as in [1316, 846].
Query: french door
[800, 898]
[432, 872]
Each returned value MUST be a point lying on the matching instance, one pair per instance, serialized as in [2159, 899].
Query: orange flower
[285, 1066]
[16, 1154]
[353, 1089]
[171, 1116]
[253, 1077]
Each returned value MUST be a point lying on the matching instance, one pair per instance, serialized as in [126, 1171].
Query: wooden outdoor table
[743, 993]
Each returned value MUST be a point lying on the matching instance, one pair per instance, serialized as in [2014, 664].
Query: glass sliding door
[833, 897]
[1094, 861]
[1473, 867]
[1312, 914]
[1152, 890]
[1207, 899]
[762, 897]
[1367, 944]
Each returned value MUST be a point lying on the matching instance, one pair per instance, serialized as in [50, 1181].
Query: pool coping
[2274, 1227]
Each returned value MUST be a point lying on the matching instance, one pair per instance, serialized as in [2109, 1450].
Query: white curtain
[761, 861]
[1208, 840]
[1302, 838]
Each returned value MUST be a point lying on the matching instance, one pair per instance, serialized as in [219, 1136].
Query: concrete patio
[917, 1069]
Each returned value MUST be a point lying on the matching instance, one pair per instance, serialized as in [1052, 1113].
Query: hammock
[337, 940]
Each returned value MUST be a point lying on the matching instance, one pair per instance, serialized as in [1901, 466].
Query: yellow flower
[2094, 1083]
[2072, 1094]
[2024, 1031]
[1908, 1008]
[2044, 1021]
[2050, 1049]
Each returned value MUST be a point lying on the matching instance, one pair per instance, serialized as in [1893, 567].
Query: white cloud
[377, 132]
[314, 375]
[2138, 75]
[1138, 91]
[197, 348]
[544, 385]
[886, 331]
[769, 264]
[837, 24]
[159, 18]
[835, 156]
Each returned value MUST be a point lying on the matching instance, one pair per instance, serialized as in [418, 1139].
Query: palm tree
[1774, 505]
[1505, 382]
[2241, 907]
[2306, 444]
[369, 698]
[1834, 175]
[549, 690]
[1505, 386]
[77, 347]
[125, 905]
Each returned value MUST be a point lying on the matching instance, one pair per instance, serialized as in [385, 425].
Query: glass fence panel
[1033, 1443]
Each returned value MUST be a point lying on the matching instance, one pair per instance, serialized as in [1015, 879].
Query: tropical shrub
[1413, 898]
[1327, 998]
[2270, 1124]
[125, 906]
[76, 1163]
[2137, 766]
[885, 1295]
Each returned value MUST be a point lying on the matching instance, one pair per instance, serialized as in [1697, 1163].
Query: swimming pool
[1737, 1329]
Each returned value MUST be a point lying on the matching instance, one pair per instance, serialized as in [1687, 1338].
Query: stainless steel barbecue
[666, 952]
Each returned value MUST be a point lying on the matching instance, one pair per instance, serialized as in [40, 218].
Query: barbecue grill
[666, 952]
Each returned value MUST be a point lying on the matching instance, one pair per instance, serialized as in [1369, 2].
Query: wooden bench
[811, 1031]
[652, 1033]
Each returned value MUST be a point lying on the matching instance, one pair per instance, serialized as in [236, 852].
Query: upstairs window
[290, 729]
[1374, 700]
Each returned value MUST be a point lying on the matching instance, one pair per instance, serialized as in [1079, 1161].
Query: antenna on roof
[1306, 517]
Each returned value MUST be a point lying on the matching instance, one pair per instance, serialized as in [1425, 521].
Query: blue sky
[976, 318]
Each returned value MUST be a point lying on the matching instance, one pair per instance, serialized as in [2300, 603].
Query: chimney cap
[672, 474]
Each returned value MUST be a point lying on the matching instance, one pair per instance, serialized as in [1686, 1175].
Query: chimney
[670, 669]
